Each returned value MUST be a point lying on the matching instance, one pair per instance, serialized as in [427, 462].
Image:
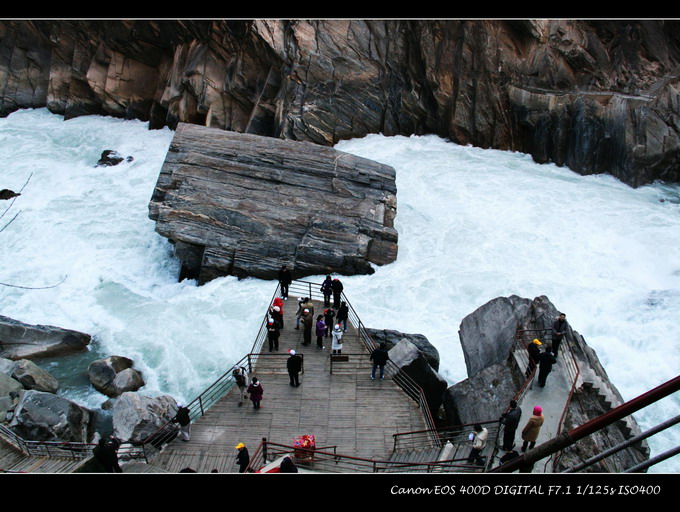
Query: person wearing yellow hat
[242, 458]
[534, 352]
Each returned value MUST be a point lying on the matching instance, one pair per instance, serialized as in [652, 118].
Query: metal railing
[322, 460]
[64, 449]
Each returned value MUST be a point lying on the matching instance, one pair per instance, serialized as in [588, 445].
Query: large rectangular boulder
[244, 205]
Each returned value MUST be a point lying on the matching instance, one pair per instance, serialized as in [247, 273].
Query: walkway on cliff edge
[345, 409]
[553, 399]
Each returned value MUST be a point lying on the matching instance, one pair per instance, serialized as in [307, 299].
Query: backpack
[240, 377]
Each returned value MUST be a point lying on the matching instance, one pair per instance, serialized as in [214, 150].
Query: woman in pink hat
[532, 428]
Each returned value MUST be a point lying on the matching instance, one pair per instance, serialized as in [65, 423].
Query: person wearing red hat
[532, 428]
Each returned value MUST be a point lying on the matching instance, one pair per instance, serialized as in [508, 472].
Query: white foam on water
[473, 225]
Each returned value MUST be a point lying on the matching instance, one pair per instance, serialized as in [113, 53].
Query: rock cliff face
[597, 96]
[244, 205]
[494, 379]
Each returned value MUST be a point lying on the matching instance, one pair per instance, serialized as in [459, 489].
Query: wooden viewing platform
[344, 409]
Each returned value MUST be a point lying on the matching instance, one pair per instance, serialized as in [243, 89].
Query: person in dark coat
[534, 349]
[379, 357]
[337, 292]
[294, 366]
[105, 453]
[343, 315]
[184, 420]
[242, 457]
[273, 334]
[559, 331]
[510, 420]
[545, 362]
[255, 391]
[328, 316]
[320, 331]
[287, 466]
[307, 325]
[327, 290]
[285, 278]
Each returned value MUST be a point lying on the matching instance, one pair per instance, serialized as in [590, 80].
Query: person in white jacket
[479, 437]
[336, 335]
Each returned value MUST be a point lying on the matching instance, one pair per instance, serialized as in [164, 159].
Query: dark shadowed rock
[406, 356]
[392, 337]
[24, 341]
[8, 194]
[41, 416]
[238, 204]
[110, 157]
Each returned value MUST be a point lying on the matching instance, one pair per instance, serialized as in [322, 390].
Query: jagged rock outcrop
[25, 341]
[391, 338]
[596, 95]
[42, 416]
[136, 417]
[114, 375]
[494, 379]
[244, 205]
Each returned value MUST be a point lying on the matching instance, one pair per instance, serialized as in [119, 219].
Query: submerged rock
[110, 157]
[244, 205]
[25, 341]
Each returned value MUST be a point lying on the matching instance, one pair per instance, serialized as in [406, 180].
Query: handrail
[321, 460]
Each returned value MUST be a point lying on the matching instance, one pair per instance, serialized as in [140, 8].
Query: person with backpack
[241, 377]
[184, 420]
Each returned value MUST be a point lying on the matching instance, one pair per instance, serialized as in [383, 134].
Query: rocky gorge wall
[594, 95]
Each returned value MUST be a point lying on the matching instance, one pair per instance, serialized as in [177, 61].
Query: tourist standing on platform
[343, 315]
[307, 324]
[298, 313]
[327, 291]
[328, 316]
[510, 421]
[308, 304]
[534, 349]
[106, 454]
[276, 311]
[184, 420]
[479, 437]
[532, 428]
[559, 332]
[255, 391]
[241, 377]
[337, 292]
[336, 344]
[379, 357]
[294, 366]
[242, 458]
[545, 363]
[320, 331]
[285, 278]
[273, 334]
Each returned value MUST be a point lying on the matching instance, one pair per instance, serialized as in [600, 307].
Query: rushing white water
[473, 225]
